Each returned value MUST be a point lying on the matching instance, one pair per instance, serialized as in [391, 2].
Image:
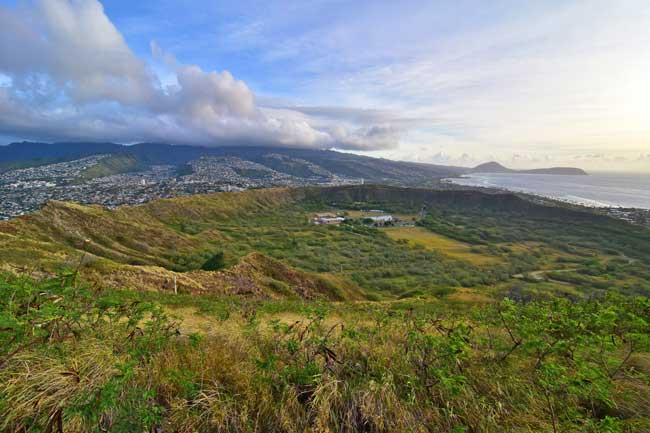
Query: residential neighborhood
[25, 190]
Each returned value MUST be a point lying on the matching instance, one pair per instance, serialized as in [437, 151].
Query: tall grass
[546, 367]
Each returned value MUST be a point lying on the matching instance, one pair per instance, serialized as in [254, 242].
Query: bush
[69, 358]
[214, 263]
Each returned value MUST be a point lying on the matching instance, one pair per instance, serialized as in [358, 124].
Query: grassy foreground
[77, 359]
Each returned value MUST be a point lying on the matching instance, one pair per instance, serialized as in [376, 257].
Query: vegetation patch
[112, 164]
[465, 240]
[76, 359]
[442, 244]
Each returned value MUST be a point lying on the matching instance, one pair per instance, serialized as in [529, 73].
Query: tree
[214, 263]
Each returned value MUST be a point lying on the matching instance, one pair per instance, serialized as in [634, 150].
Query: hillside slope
[112, 164]
[270, 248]
[255, 276]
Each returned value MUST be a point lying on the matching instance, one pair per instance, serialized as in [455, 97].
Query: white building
[382, 219]
[328, 220]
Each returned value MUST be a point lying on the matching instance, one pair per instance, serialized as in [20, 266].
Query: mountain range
[303, 163]
[295, 162]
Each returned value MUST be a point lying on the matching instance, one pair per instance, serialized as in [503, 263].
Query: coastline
[600, 190]
[632, 214]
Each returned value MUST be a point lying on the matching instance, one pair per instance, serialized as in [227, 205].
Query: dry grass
[218, 382]
[470, 297]
[442, 244]
[41, 387]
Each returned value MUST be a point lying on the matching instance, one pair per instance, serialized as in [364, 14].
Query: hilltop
[299, 162]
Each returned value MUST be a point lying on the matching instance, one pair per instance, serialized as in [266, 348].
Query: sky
[526, 83]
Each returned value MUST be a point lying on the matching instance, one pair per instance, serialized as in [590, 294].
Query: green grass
[430, 331]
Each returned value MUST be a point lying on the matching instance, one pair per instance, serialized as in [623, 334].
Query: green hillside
[112, 164]
[233, 312]
[172, 236]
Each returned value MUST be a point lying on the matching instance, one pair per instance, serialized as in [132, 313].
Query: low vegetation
[443, 244]
[464, 241]
[74, 359]
[484, 314]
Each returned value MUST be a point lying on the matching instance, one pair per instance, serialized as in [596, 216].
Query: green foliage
[214, 263]
[586, 255]
[96, 361]
[69, 355]
[558, 348]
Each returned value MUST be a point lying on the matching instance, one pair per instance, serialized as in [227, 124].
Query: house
[328, 220]
[382, 219]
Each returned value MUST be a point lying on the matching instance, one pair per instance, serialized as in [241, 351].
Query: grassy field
[455, 246]
[442, 244]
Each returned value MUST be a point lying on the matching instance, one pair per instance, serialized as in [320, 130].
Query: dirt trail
[541, 275]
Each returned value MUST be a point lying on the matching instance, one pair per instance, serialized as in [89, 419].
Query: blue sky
[527, 83]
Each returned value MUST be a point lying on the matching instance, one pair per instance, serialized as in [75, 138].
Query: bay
[628, 190]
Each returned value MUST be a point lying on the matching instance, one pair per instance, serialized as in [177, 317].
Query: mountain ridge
[299, 162]
[338, 163]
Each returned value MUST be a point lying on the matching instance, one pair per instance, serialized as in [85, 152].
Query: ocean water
[596, 189]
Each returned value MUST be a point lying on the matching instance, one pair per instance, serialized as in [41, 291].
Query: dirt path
[541, 275]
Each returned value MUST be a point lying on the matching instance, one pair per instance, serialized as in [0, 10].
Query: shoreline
[567, 197]
[631, 214]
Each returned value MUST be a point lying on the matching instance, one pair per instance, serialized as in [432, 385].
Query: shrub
[214, 263]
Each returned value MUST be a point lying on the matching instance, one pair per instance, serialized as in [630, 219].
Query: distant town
[25, 190]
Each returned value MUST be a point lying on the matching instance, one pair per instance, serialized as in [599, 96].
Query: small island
[495, 167]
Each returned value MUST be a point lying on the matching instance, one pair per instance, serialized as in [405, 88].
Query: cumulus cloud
[69, 74]
[75, 47]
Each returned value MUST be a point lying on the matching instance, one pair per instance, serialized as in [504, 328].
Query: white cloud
[75, 46]
[71, 75]
[501, 79]
[526, 84]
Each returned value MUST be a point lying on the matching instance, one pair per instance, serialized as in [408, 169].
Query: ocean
[596, 189]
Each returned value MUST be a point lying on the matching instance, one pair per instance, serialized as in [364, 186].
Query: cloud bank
[67, 73]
